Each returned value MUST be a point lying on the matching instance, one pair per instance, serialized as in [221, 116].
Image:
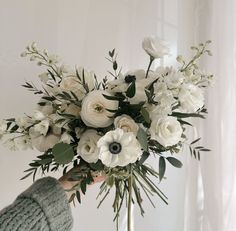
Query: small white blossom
[42, 127]
[38, 115]
[191, 98]
[44, 77]
[23, 142]
[66, 138]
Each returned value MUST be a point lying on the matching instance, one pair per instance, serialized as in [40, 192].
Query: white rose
[94, 111]
[118, 148]
[126, 123]
[87, 147]
[191, 98]
[155, 47]
[166, 130]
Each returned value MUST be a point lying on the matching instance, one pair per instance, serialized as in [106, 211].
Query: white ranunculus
[42, 127]
[191, 98]
[87, 146]
[166, 130]
[126, 123]
[155, 47]
[118, 148]
[43, 143]
[94, 111]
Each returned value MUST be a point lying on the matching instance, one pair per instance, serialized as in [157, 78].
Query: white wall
[81, 32]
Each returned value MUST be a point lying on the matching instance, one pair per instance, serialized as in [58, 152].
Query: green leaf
[78, 196]
[162, 167]
[131, 90]
[175, 162]
[109, 97]
[195, 141]
[145, 115]
[83, 186]
[63, 153]
[144, 157]
[97, 166]
[142, 138]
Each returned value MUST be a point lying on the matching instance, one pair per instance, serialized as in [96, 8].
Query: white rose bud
[166, 130]
[155, 47]
[94, 111]
[87, 147]
[126, 123]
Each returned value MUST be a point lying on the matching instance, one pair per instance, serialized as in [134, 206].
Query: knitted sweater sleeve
[42, 207]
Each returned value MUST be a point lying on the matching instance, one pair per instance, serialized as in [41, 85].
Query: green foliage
[63, 153]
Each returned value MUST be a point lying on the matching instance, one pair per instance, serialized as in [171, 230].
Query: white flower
[158, 110]
[72, 83]
[126, 123]
[44, 77]
[118, 148]
[191, 98]
[3, 128]
[66, 138]
[24, 122]
[43, 143]
[46, 109]
[10, 144]
[42, 127]
[23, 142]
[71, 109]
[166, 130]
[87, 147]
[38, 115]
[94, 111]
[155, 47]
[174, 79]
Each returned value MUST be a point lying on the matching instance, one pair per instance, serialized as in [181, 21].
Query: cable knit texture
[42, 207]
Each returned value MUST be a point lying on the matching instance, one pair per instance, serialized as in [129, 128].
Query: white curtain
[213, 206]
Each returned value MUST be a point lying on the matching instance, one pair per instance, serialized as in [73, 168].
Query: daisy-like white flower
[118, 148]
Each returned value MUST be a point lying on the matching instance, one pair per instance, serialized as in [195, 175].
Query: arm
[43, 206]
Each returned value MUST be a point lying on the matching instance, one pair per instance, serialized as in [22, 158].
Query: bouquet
[111, 126]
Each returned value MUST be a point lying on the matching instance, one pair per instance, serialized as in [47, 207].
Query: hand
[67, 185]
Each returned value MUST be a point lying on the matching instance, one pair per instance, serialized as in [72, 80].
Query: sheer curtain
[213, 206]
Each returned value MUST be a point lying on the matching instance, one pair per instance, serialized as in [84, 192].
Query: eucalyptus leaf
[162, 167]
[142, 138]
[175, 162]
[145, 115]
[131, 90]
[63, 153]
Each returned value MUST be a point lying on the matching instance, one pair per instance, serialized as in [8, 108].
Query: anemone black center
[130, 78]
[115, 147]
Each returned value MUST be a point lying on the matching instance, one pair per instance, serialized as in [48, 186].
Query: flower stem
[130, 182]
[149, 65]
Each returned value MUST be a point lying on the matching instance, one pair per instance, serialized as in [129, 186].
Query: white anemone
[118, 148]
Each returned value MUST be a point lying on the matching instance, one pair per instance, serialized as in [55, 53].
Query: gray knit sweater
[43, 206]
